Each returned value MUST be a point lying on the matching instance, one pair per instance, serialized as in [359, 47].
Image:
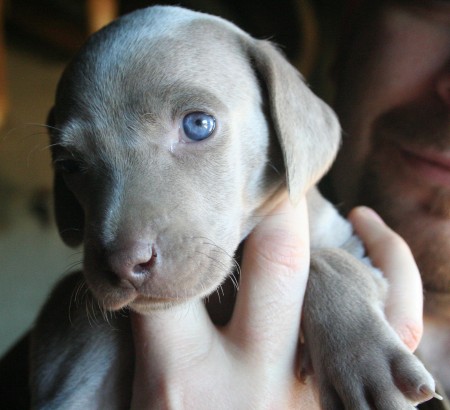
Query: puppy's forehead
[150, 57]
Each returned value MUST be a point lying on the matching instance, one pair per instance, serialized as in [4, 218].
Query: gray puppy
[171, 133]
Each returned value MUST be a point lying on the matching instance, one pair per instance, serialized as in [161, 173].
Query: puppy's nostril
[146, 266]
[132, 265]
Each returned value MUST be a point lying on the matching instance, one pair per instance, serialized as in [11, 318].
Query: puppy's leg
[79, 357]
[359, 360]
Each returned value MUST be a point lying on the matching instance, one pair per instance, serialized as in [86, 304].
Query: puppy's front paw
[370, 370]
[359, 361]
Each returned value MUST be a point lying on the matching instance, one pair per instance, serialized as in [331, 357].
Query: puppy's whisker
[272, 166]
[71, 267]
[54, 144]
[237, 267]
[74, 297]
[81, 285]
[49, 146]
[219, 288]
[37, 124]
[27, 137]
[18, 128]
[105, 313]
[94, 302]
[76, 255]
[90, 312]
[235, 281]
[26, 126]
[216, 263]
[88, 316]
[8, 134]
[31, 153]
[233, 273]
[210, 242]
[112, 315]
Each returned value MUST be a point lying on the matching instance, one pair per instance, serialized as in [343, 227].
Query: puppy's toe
[411, 378]
[349, 397]
[399, 381]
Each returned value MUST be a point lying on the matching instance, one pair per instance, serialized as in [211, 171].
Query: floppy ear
[307, 129]
[68, 212]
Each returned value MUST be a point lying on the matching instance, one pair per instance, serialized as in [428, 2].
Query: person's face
[393, 100]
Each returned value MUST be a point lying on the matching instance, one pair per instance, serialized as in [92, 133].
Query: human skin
[252, 362]
[393, 101]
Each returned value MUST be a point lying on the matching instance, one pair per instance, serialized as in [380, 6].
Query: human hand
[251, 362]
[390, 253]
[404, 302]
[184, 361]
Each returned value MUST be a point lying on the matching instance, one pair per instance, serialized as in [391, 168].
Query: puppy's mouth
[132, 299]
[117, 281]
[146, 304]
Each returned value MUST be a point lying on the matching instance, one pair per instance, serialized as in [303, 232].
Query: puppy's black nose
[132, 265]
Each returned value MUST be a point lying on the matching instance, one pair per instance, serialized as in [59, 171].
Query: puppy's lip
[144, 299]
[119, 302]
[147, 304]
[140, 302]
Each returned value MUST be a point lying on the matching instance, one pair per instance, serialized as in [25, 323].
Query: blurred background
[37, 40]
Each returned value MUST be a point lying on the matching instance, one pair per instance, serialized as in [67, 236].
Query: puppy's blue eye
[198, 126]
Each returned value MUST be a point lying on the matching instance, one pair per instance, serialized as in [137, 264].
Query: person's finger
[273, 281]
[390, 253]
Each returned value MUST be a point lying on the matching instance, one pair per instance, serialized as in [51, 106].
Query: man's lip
[428, 165]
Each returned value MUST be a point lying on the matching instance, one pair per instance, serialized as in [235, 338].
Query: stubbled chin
[430, 244]
[437, 305]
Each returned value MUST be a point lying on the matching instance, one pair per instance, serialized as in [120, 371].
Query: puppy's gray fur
[161, 216]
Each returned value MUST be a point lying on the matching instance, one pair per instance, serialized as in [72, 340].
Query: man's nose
[443, 86]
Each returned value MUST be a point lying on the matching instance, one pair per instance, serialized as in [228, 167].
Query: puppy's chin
[147, 299]
[138, 303]
[146, 305]
[115, 302]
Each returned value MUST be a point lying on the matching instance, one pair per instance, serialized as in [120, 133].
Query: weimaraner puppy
[171, 132]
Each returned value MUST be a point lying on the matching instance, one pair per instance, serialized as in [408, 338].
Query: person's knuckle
[282, 250]
[410, 333]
